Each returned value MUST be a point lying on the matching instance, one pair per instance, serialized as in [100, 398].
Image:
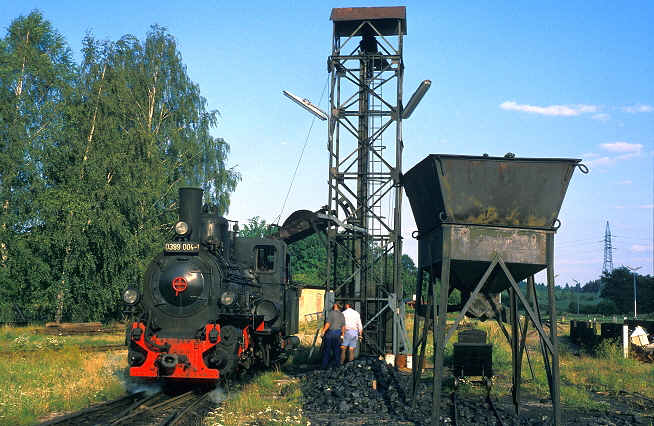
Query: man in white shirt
[353, 331]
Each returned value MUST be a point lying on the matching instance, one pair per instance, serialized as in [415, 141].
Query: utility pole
[634, 269]
[578, 286]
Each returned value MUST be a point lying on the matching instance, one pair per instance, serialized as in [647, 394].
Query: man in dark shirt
[331, 335]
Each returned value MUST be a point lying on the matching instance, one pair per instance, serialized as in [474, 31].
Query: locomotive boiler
[212, 304]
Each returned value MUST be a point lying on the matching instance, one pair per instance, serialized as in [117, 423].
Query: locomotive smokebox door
[473, 356]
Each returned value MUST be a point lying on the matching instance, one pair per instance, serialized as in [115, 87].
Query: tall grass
[44, 374]
[609, 371]
[31, 338]
[45, 382]
[269, 399]
[604, 370]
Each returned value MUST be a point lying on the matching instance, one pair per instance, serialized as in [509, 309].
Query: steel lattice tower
[365, 160]
[608, 251]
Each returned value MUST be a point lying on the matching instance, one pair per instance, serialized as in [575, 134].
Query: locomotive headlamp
[228, 298]
[182, 228]
[131, 296]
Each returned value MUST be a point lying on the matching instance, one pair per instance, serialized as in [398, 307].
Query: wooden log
[73, 328]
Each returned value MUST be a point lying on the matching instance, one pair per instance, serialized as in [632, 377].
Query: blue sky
[568, 79]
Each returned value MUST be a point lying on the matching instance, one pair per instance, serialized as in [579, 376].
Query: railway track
[138, 409]
[489, 401]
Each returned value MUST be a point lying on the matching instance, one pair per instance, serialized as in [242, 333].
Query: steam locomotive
[212, 304]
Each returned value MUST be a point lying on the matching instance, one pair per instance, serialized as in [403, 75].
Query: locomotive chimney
[190, 206]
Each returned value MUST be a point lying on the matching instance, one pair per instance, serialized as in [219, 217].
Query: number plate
[176, 247]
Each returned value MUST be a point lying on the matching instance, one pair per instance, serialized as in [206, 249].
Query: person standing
[353, 331]
[331, 335]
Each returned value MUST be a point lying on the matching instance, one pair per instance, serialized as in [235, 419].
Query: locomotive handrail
[164, 347]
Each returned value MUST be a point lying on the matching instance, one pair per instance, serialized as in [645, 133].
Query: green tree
[256, 227]
[140, 131]
[91, 158]
[408, 275]
[607, 307]
[592, 286]
[37, 77]
[618, 286]
[309, 257]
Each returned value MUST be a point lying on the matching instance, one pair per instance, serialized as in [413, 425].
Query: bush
[607, 307]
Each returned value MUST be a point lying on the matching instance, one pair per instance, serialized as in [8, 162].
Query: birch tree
[142, 131]
[36, 78]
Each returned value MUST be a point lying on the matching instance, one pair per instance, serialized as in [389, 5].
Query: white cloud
[628, 151]
[622, 147]
[554, 110]
[638, 108]
[647, 206]
[609, 161]
[640, 247]
[624, 182]
[568, 261]
[574, 110]
[601, 117]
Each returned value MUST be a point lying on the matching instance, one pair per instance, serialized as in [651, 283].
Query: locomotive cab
[271, 264]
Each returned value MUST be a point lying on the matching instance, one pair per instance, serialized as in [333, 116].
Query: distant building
[311, 303]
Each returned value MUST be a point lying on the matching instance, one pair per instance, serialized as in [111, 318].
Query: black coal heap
[368, 391]
[365, 386]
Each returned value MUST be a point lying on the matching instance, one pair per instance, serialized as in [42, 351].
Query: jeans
[331, 352]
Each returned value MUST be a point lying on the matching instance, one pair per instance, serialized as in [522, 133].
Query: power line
[279, 217]
[579, 252]
[633, 238]
[580, 244]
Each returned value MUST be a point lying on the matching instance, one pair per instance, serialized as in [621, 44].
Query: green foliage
[619, 288]
[37, 77]
[91, 159]
[309, 257]
[256, 227]
[606, 307]
[408, 275]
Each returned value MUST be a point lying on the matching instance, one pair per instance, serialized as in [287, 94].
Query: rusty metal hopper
[471, 210]
[472, 249]
[495, 191]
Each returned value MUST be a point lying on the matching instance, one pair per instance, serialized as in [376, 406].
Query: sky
[556, 79]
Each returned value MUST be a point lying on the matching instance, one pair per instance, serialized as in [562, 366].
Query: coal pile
[364, 387]
[367, 391]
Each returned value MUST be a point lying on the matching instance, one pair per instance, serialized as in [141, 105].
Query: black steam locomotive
[212, 304]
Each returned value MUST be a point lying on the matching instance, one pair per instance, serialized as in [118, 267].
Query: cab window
[265, 258]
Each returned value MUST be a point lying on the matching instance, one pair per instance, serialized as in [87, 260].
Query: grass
[603, 370]
[45, 374]
[617, 373]
[269, 399]
[31, 338]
